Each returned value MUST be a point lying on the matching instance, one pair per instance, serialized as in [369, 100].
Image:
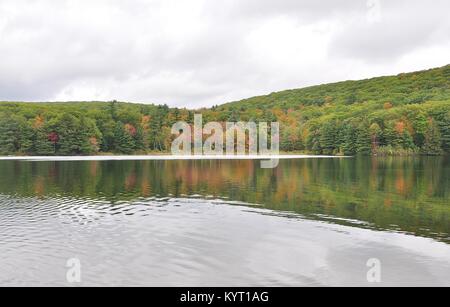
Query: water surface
[225, 223]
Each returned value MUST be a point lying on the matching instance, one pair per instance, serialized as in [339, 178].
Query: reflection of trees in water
[411, 193]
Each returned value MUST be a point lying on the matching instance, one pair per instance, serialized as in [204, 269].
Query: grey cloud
[200, 52]
[304, 10]
[403, 27]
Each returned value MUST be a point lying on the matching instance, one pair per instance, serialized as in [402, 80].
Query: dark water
[226, 223]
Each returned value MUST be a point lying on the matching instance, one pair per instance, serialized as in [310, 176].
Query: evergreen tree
[351, 99]
[123, 141]
[42, 145]
[375, 135]
[420, 124]
[349, 143]
[328, 138]
[285, 144]
[433, 141]
[139, 139]
[363, 139]
[313, 142]
[445, 133]
[71, 137]
[26, 138]
[8, 139]
[90, 136]
[391, 136]
[407, 140]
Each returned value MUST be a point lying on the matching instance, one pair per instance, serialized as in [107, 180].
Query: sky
[199, 53]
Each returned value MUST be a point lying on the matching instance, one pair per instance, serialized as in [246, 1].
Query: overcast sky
[202, 52]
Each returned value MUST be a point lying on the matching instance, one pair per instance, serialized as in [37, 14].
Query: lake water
[309, 222]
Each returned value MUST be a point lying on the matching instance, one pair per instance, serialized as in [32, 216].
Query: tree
[42, 145]
[351, 99]
[391, 135]
[53, 138]
[375, 135]
[407, 140]
[433, 141]
[139, 136]
[328, 137]
[420, 124]
[313, 139]
[71, 139]
[16, 135]
[285, 140]
[349, 139]
[8, 139]
[363, 139]
[113, 109]
[123, 141]
[26, 137]
[156, 123]
[445, 132]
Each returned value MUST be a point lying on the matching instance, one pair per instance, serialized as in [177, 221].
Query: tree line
[400, 115]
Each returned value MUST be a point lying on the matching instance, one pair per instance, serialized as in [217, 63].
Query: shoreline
[165, 157]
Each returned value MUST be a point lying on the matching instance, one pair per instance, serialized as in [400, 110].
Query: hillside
[405, 88]
[395, 115]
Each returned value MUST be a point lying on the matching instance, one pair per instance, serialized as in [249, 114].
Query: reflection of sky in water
[201, 242]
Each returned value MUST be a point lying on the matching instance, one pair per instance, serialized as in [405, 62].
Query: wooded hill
[396, 115]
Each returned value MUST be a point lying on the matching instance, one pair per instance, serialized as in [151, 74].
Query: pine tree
[349, 139]
[433, 141]
[90, 136]
[407, 140]
[313, 141]
[445, 133]
[363, 140]
[328, 138]
[156, 123]
[285, 140]
[375, 135]
[26, 138]
[8, 140]
[71, 136]
[139, 139]
[391, 136]
[351, 99]
[123, 141]
[420, 124]
[42, 145]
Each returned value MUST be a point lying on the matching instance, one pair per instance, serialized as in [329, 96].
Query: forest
[407, 114]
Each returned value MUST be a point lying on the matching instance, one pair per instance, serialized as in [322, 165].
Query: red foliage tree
[53, 137]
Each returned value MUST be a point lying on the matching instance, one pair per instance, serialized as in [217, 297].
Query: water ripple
[194, 241]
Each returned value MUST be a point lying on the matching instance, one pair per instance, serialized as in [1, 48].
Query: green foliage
[432, 144]
[8, 136]
[402, 89]
[363, 139]
[350, 137]
[328, 137]
[444, 125]
[42, 144]
[123, 141]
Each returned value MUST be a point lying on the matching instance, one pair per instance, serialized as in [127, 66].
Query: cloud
[402, 27]
[199, 53]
